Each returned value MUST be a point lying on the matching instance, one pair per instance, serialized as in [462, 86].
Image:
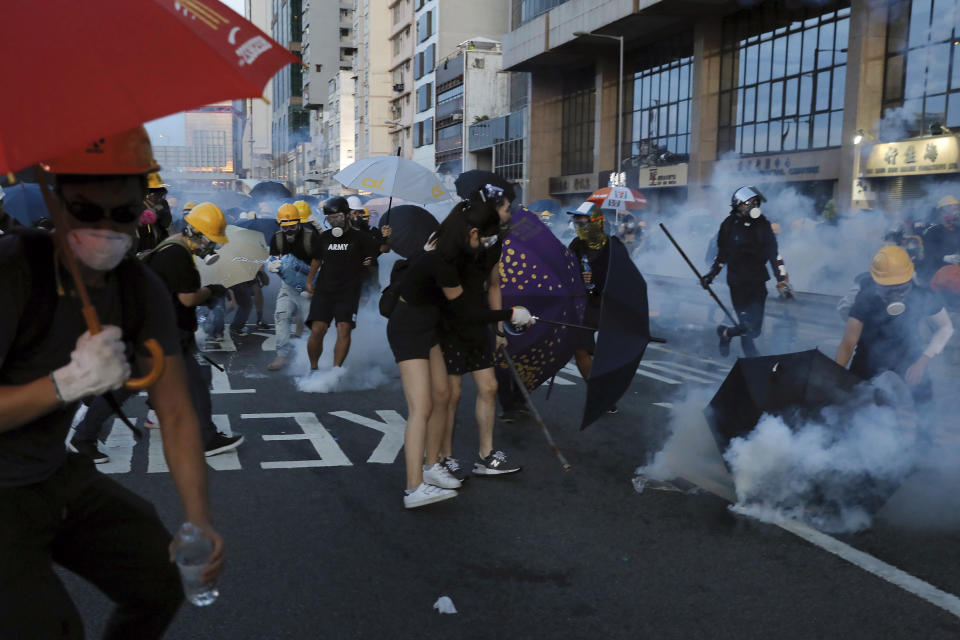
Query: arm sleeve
[175, 268]
[274, 245]
[773, 254]
[477, 315]
[160, 322]
[942, 334]
[720, 259]
[861, 307]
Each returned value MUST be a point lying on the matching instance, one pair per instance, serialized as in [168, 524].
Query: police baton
[700, 277]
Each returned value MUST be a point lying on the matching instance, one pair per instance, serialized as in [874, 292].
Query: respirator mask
[206, 250]
[337, 222]
[894, 297]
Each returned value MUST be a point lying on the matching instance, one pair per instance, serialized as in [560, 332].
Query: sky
[170, 130]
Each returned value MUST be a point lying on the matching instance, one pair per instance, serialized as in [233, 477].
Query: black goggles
[89, 212]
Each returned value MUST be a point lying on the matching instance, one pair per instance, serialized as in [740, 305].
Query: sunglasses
[90, 212]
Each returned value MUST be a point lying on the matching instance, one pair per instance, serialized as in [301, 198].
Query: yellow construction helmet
[287, 215]
[190, 205]
[947, 201]
[891, 266]
[303, 209]
[154, 181]
[207, 218]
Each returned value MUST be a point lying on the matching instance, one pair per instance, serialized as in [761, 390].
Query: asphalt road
[319, 545]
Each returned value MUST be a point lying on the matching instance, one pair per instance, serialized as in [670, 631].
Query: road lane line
[329, 452]
[665, 405]
[656, 376]
[659, 347]
[391, 425]
[680, 371]
[119, 447]
[221, 383]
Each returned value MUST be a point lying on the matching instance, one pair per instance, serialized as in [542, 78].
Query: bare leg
[485, 409]
[440, 393]
[315, 342]
[342, 347]
[456, 388]
[584, 362]
[415, 377]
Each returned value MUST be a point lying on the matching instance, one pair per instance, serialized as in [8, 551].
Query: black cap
[337, 204]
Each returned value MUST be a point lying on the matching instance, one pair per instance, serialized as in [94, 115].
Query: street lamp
[619, 93]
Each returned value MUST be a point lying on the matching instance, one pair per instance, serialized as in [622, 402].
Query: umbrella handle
[156, 353]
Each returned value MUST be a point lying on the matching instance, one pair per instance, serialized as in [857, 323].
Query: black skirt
[412, 331]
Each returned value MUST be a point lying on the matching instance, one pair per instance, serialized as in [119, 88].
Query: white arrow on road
[391, 425]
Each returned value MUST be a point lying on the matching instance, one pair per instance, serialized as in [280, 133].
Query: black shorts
[583, 340]
[466, 349]
[341, 306]
[412, 331]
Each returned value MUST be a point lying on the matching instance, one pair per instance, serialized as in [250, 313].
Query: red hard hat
[127, 153]
[947, 279]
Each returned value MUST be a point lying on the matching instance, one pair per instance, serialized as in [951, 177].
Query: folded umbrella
[240, 258]
[622, 337]
[410, 228]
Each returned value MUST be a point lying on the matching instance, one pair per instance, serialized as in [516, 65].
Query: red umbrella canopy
[619, 198]
[79, 71]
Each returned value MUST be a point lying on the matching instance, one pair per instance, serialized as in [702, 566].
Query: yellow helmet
[947, 201]
[207, 218]
[287, 215]
[190, 205]
[891, 266]
[303, 209]
[154, 181]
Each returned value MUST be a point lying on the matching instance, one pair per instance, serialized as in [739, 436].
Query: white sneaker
[437, 475]
[426, 494]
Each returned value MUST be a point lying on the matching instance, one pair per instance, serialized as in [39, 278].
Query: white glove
[273, 266]
[521, 317]
[953, 258]
[97, 365]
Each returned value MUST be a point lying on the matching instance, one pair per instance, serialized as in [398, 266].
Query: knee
[441, 396]
[487, 389]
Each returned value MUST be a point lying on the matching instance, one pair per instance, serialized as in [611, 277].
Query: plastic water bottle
[585, 265]
[193, 550]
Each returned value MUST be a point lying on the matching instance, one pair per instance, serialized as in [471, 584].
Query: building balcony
[450, 110]
[486, 134]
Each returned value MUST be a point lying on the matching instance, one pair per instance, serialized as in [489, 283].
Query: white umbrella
[240, 258]
[395, 177]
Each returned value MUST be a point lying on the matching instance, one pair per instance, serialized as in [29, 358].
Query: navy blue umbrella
[267, 226]
[24, 203]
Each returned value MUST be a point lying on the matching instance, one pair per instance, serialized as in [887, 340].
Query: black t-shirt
[342, 268]
[890, 343]
[305, 246]
[33, 452]
[426, 276]
[745, 245]
[174, 264]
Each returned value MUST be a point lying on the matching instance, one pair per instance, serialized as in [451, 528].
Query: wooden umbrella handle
[156, 352]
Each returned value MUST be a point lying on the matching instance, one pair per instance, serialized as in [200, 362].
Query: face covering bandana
[99, 249]
[894, 296]
[592, 234]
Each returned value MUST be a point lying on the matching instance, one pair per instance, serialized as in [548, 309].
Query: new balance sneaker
[221, 443]
[453, 466]
[437, 475]
[151, 421]
[494, 464]
[88, 449]
[426, 494]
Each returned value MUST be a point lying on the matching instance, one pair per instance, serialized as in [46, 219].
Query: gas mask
[359, 222]
[591, 232]
[206, 250]
[893, 296]
[337, 222]
[290, 233]
[747, 211]
[99, 249]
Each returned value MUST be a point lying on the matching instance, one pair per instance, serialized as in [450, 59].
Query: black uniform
[745, 245]
[599, 260]
[468, 346]
[304, 247]
[54, 506]
[341, 276]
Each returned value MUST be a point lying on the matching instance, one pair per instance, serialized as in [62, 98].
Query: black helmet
[745, 194]
[335, 205]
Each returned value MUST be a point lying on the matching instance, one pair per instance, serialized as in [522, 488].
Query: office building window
[425, 26]
[423, 133]
[657, 111]
[417, 65]
[782, 79]
[430, 59]
[922, 73]
[530, 9]
[508, 159]
[424, 97]
[576, 133]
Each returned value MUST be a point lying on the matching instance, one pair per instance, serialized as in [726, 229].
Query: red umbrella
[619, 198]
[80, 71]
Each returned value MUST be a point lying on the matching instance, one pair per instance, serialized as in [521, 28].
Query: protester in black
[884, 330]
[431, 281]
[941, 241]
[54, 506]
[173, 262]
[343, 255]
[469, 347]
[745, 244]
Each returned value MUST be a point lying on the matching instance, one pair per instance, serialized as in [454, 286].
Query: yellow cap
[891, 266]
[207, 218]
[154, 181]
[304, 210]
[190, 205]
[287, 215]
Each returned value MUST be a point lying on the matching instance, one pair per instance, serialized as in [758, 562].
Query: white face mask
[99, 249]
[755, 213]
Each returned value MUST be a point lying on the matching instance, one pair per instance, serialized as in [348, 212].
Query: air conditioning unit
[456, 116]
[398, 87]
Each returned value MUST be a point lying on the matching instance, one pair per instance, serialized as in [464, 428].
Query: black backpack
[391, 295]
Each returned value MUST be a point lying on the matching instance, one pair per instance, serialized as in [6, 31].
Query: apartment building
[374, 93]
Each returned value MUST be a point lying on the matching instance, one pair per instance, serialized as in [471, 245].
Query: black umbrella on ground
[623, 334]
[469, 182]
[267, 190]
[794, 386]
[410, 228]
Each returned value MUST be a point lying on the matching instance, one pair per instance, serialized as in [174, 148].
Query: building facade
[256, 155]
[803, 95]
[207, 159]
[373, 21]
[401, 75]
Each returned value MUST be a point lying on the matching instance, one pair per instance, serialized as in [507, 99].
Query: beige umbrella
[240, 258]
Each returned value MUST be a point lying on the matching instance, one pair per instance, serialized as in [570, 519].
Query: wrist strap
[56, 389]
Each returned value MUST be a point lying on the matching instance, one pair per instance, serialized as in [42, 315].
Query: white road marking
[156, 462]
[655, 376]
[270, 344]
[659, 347]
[682, 371]
[391, 425]
[229, 461]
[221, 383]
[119, 447]
[329, 452]
[665, 405]
[560, 381]
[572, 370]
